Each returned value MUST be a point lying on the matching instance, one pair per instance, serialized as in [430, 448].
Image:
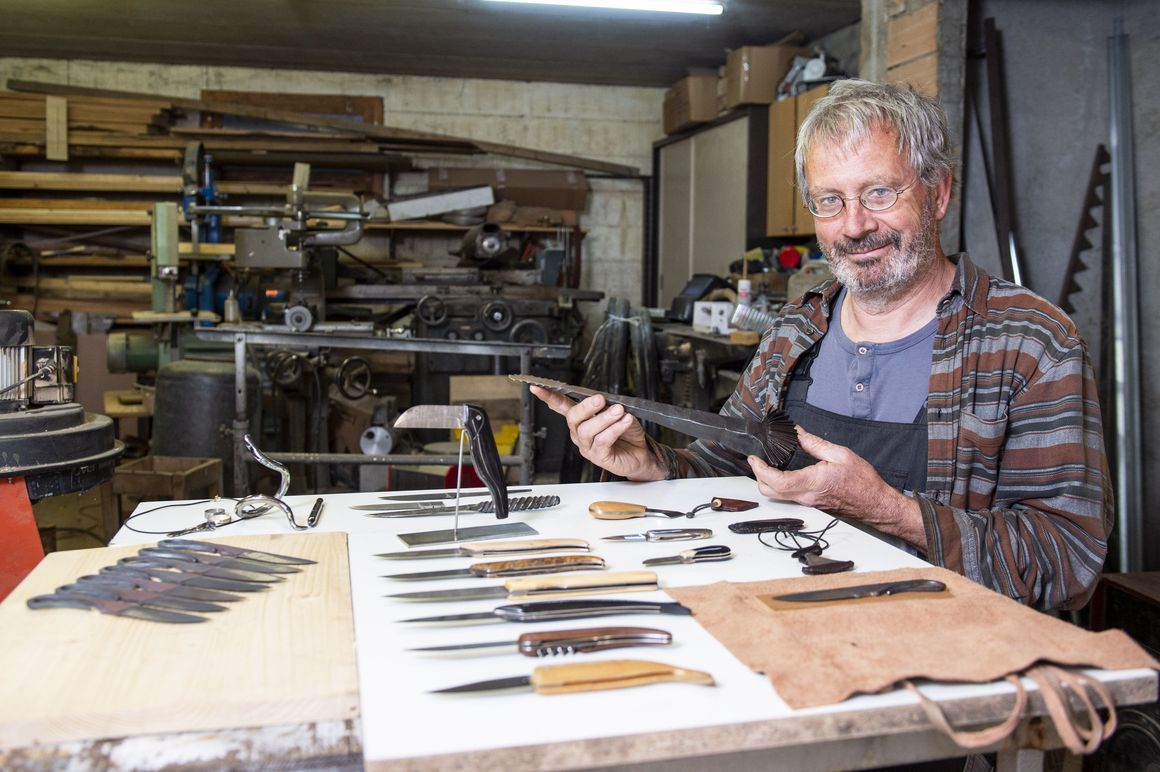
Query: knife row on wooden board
[175, 582]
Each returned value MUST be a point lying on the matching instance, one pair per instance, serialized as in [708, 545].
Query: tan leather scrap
[822, 653]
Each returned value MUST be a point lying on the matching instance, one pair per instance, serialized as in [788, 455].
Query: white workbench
[741, 720]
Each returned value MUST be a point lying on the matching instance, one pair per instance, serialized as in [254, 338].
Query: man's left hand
[844, 483]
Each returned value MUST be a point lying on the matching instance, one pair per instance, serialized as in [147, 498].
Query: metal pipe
[1125, 308]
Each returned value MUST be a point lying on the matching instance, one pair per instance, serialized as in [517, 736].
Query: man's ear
[942, 195]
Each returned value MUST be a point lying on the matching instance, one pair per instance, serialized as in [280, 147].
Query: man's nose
[857, 221]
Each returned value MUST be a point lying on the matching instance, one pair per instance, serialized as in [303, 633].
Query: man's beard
[885, 275]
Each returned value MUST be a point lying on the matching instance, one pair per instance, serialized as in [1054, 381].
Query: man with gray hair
[950, 412]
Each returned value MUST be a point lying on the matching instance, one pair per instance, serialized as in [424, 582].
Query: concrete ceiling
[449, 38]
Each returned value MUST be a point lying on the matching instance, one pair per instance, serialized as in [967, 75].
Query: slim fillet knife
[528, 588]
[495, 569]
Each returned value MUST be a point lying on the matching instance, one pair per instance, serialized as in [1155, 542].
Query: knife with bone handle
[228, 550]
[588, 677]
[146, 571]
[577, 641]
[500, 568]
[510, 547]
[188, 567]
[560, 610]
[112, 607]
[663, 534]
[772, 438]
[545, 587]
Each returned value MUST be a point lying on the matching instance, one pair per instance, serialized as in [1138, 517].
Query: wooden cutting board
[283, 657]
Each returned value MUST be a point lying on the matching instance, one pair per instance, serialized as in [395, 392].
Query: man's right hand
[606, 435]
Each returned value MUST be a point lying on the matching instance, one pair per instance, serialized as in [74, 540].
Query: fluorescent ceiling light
[708, 7]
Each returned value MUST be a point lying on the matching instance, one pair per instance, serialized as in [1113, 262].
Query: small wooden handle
[615, 510]
[580, 584]
[732, 505]
[524, 545]
[612, 674]
[546, 565]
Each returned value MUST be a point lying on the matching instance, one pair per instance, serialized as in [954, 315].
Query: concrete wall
[616, 124]
[1057, 85]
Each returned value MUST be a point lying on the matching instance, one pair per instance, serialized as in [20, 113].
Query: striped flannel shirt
[1018, 495]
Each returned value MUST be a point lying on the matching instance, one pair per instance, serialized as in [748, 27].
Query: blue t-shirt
[875, 381]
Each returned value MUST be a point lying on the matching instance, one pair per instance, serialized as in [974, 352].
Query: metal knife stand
[244, 335]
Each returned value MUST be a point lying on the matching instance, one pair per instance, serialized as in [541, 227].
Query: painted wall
[616, 124]
[1057, 85]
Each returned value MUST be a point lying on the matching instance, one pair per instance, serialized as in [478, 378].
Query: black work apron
[897, 451]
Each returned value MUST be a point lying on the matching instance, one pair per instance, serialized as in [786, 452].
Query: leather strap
[979, 738]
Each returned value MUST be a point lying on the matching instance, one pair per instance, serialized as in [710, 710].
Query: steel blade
[215, 548]
[414, 506]
[481, 616]
[191, 568]
[432, 417]
[453, 552]
[467, 593]
[736, 433]
[465, 646]
[448, 496]
[496, 684]
[474, 533]
[467, 510]
[662, 561]
[864, 591]
[626, 537]
[421, 576]
[183, 579]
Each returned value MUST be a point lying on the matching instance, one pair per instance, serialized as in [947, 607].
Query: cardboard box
[565, 189]
[442, 202]
[753, 72]
[690, 101]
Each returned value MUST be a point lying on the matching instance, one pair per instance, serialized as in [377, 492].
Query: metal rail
[244, 335]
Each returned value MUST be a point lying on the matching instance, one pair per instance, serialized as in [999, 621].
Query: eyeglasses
[876, 199]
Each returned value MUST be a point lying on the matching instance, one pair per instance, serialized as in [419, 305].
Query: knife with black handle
[559, 610]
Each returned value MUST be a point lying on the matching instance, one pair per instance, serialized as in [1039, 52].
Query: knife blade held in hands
[578, 641]
[773, 438]
[527, 567]
[545, 587]
[589, 676]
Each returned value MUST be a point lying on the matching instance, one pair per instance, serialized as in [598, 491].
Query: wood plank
[911, 35]
[123, 183]
[378, 132]
[56, 128]
[284, 657]
[73, 217]
[74, 203]
[89, 289]
[922, 73]
[46, 307]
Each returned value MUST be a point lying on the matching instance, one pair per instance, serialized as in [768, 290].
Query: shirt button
[862, 349]
[859, 387]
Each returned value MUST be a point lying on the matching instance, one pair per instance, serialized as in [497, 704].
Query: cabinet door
[803, 220]
[675, 226]
[779, 216]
